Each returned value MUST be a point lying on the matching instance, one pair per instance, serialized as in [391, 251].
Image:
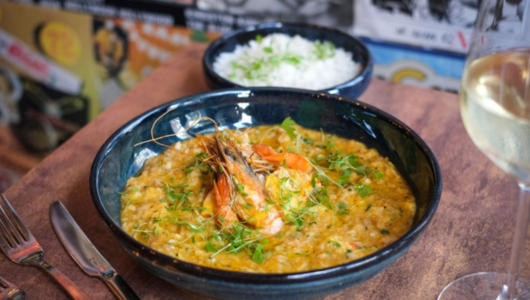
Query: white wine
[495, 106]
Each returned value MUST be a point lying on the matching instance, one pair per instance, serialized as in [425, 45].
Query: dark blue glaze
[119, 159]
[227, 43]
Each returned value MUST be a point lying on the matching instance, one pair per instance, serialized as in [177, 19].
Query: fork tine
[9, 290]
[5, 243]
[3, 282]
[6, 236]
[20, 230]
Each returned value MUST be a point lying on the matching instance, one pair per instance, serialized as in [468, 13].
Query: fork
[10, 291]
[21, 247]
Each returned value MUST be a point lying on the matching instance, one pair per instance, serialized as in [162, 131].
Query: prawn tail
[225, 215]
[291, 160]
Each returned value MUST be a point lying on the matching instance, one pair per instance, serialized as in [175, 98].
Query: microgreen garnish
[342, 208]
[288, 126]
[129, 199]
[343, 180]
[307, 141]
[198, 163]
[210, 247]
[340, 162]
[238, 237]
[335, 243]
[146, 233]
[258, 256]
[297, 220]
[241, 189]
[378, 175]
[321, 196]
[178, 195]
[270, 202]
[363, 190]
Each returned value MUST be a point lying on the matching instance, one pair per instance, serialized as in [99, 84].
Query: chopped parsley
[324, 50]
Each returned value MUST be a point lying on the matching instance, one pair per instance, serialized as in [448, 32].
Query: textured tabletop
[471, 231]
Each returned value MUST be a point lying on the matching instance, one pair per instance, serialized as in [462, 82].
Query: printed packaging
[60, 68]
[48, 87]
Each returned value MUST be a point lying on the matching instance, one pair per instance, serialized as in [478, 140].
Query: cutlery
[21, 247]
[9, 291]
[85, 254]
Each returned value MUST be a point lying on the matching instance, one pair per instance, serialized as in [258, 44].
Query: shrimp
[222, 191]
[292, 160]
[284, 183]
[238, 188]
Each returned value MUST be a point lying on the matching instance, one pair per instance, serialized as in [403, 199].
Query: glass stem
[509, 290]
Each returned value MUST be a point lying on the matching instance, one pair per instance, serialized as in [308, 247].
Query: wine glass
[495, 107]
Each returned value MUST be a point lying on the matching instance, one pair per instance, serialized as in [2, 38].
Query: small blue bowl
[118, 159]
[228, 42]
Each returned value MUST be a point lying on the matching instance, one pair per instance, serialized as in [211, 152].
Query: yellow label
[60, 42]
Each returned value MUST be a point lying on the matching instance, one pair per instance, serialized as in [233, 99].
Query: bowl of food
[289, 55]
[265, 193]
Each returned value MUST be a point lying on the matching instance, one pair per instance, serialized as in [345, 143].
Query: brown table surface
[471, 231]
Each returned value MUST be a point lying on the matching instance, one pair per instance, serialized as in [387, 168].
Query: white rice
[281, 60]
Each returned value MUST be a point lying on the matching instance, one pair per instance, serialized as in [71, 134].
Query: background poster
[48, 86]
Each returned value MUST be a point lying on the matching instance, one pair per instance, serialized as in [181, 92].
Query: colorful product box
[48, 84]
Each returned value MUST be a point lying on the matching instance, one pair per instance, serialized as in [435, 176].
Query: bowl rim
[208, 57]
[192, 269]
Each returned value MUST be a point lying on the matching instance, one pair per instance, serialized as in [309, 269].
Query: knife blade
[85, 254]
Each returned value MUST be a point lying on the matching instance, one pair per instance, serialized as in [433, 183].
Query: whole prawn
[238, 194]
[238, 190]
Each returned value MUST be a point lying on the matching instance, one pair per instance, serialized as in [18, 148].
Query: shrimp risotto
[270, 199]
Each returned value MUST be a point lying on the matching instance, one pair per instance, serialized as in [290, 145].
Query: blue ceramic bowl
[227, 43]
[118, 160]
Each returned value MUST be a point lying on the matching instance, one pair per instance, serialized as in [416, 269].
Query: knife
[85, 254]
